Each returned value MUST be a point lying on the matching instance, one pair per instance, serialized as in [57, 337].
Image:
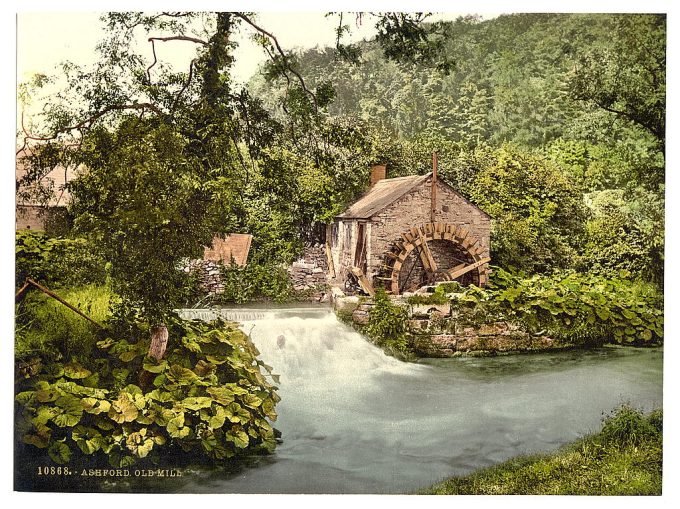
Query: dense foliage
[624, 458]
[577, 102]
[46, 328]
[581, 308]
[254, 282]
[60, 262]
[537, 212]
[208, 398]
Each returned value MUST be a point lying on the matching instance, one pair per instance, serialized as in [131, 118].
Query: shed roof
[387, 191]
[382, 194]
[234, 246]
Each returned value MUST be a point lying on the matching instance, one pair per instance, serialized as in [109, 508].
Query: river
[357, 421]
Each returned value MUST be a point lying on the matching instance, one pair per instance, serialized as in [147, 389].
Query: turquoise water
[356, 421]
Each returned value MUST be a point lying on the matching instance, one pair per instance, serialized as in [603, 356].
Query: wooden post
[434, 188]
[159, 341]
[364, 283]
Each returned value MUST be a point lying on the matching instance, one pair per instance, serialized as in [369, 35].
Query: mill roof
[387, 191]
[383, 193]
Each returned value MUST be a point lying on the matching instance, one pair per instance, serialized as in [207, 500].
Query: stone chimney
[378, 173]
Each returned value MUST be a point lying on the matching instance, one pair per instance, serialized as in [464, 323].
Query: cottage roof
[387, 191]
[234, 246]
[54, 182]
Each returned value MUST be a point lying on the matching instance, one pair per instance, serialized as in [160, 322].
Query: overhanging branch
[281, 53]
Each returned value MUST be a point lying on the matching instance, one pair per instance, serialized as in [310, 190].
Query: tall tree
[170, 155]
[627, 74]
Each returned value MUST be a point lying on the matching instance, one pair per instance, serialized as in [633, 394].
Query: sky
[46, 39]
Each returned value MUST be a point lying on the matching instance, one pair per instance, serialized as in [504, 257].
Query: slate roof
[383, 193]
[387, 191]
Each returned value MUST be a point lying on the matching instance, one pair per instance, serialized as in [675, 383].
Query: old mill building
[408, 232]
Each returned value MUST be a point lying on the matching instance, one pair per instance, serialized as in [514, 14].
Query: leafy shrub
[629, 426]
[207, 400]
[387, 323]
[437, 297]
[538, 211]
[47, 328]
[255, 282]
[625, 232]
[576, 307]
[56, 261]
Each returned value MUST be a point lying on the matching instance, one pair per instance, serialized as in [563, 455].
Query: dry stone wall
[308, 273]
[436, 333]
[208, 273]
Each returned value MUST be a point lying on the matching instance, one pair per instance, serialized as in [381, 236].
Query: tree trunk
[159, 341]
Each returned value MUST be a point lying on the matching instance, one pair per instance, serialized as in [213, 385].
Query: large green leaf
[268, 408]
[602, 313]
[76, 371]
[181, 375]
[139, 443]
[152, 366]
[59, 452]
[176, 427]
[217, 421]
[159, 395]
[223, 395]
[238, 437]
[123, 409]
[235, 413]
[96, 406]
[25, 398]
[250, 400]
[89, 440]
[46, 393]
[196, 403]
[71, 411]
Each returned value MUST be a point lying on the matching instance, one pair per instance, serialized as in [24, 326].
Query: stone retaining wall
[435, 333]
[208, 273]
[308, 273]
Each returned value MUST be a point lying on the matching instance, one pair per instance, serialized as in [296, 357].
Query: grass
[46, 327]
[625, 458]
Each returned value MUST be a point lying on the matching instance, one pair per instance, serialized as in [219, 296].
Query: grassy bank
[625, 458]
[47, 327]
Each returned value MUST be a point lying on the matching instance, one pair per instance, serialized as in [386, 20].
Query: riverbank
[625, 458]
[515, 314]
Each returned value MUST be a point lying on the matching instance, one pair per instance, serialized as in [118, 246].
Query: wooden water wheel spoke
[466, 252]
[425, 254]
[457, 272]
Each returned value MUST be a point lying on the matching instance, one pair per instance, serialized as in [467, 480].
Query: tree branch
[166, 39]
[179, 38]
[186, 85]
[84, 124]
[282, 53]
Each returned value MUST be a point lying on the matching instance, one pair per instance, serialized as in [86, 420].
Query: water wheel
[431, 253]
